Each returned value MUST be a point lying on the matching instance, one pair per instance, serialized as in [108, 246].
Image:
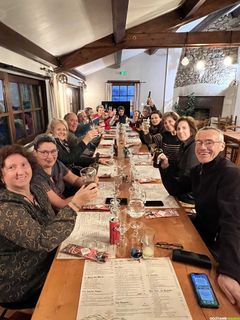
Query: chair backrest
[231, 127]
[224, 122]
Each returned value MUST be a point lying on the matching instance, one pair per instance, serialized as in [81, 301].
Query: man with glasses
[52, 174]
[215, 184]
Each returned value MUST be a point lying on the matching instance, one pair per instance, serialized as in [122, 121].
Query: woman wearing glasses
[30, 231]
[51, 173]
[186, 158]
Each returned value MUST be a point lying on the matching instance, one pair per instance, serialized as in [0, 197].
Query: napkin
[104, 207]
[161, 214]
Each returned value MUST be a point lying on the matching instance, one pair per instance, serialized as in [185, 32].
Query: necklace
[31, 199]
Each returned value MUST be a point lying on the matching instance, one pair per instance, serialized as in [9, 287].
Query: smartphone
[203, 290]
[123, 201]
[154, 203]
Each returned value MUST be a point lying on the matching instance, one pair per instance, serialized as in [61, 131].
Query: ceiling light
[228, 61]
[185, 61]
[200, 65]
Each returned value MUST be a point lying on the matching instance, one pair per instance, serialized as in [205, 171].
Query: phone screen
[123, 201]
[154, 203]
[203, 290]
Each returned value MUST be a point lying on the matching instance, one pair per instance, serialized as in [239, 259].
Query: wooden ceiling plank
[15, 42]
[119, 16]
[189, 7]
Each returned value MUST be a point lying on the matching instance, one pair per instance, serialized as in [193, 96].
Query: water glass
[89, 175]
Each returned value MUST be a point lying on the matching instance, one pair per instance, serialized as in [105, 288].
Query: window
[23, 108]
[123, 92]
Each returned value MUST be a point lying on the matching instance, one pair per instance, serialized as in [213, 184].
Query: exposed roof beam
[189, 7]
[210, 19]
[15, 42]
[106, 45]
[153, 40]
[151, 51]
[119, 16]
[118, 59]
[217, 39]
[173, 19]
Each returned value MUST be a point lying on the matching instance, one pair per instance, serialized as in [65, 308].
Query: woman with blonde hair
[70, 155]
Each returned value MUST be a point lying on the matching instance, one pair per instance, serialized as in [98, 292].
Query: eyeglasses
[168, 246]
[207, 143]
[46, 153]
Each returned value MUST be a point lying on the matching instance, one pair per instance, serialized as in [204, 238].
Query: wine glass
[136, 210]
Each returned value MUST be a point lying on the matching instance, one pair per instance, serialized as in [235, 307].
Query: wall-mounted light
[62, 78]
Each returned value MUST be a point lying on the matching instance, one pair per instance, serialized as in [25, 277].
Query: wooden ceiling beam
[174, 18]
[106, 45]
[153, 40]
[190, 7]
[217, 39]
[15, 42]
[118, 59]
[119, 16]
[151, 51]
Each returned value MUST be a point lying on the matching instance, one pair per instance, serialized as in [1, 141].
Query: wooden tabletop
[60, 295]
[232, 135]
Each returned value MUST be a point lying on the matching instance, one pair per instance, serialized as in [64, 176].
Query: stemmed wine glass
[136, 210]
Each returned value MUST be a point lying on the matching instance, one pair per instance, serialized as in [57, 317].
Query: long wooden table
[233, 136]
[60, 295]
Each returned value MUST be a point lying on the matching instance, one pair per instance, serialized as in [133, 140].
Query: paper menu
[91, 230]
[128, 290]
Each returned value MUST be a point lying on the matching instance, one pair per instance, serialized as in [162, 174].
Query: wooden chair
[226, 121]
[231, 148]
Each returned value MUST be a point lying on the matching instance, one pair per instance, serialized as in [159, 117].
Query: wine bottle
[156, 154]
[95, 164]
[115, 148]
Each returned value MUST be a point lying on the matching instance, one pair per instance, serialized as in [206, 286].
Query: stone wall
[215, 71]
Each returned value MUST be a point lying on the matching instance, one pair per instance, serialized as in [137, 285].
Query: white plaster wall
[150, 70]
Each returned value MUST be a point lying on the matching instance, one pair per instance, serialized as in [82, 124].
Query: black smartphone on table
[203, 290]
[154, 203]
[123, 201]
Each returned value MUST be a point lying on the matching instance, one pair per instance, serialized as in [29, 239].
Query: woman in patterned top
[29, 229]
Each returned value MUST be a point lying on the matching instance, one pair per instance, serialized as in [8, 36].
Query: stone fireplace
[205, 106]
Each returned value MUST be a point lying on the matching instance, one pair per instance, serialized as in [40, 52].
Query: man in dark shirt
[216, 188]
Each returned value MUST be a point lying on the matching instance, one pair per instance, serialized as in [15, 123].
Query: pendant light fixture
[185, 60]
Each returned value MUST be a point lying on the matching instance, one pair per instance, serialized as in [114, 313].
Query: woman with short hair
[30, 231]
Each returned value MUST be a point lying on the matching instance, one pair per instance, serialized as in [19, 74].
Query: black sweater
[216, 189]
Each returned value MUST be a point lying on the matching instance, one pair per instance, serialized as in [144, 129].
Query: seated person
[51, 173]
[186, 159]
[30, 230]
[153, 134]
[216, 189]
[72, 121]
[170, 143]
[83, 124]
[136, 121]
[71, 155]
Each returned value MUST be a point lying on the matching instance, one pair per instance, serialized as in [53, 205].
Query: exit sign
[123, 73]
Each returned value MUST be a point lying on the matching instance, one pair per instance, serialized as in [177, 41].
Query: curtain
[136, 102]
[108, 91]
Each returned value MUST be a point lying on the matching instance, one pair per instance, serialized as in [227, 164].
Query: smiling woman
[29, 230]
